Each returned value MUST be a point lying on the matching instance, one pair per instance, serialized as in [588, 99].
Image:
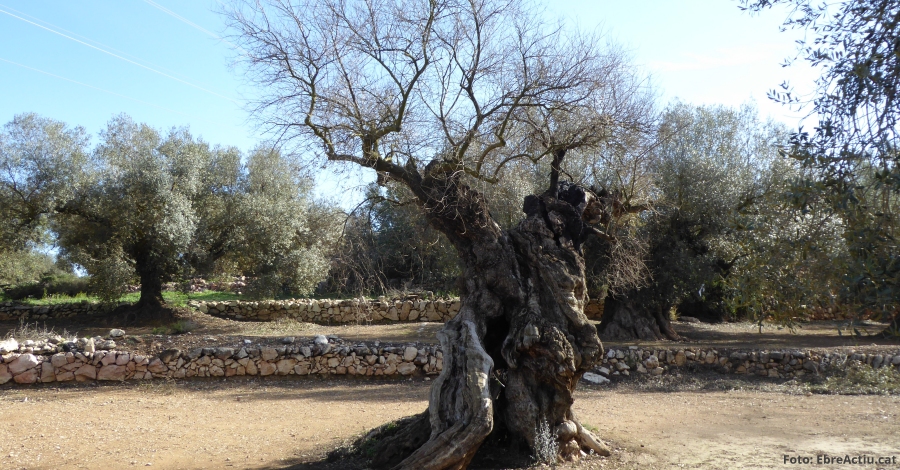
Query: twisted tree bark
[623, 319]
[520, 343]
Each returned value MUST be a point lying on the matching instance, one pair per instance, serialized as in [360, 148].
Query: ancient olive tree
[712, 168]
[134, 214]
[433, 95]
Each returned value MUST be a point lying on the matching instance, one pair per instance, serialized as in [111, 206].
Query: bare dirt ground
[279, 423]
[282, 423]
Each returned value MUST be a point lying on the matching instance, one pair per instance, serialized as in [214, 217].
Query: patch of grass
[183, 326]
[159, 330]
[861, 380]
[673, 314]
[59, 299]
[26, 331]
[179, 327]
[172, 298]
[280, 327]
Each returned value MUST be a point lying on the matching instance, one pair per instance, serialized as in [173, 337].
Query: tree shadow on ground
[322, 464]
[488, 458]
[266, 389]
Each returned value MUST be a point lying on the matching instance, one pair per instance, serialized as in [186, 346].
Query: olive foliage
[151, 207]
[713, 174]
[134, 214]
[281, 237]
[714, 166]
[852, 152]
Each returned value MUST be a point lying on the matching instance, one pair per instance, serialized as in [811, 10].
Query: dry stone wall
[334, 311]
[321, 355]
[774, 364]
[91, 359]
[12, 312]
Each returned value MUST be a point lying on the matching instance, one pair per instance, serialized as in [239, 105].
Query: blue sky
[158, 60]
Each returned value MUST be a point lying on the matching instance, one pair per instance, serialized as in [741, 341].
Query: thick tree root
[458, 425]
[587, 440]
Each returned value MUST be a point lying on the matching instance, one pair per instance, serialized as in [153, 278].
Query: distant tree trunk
[626, 319]
[520, 342]
[151, 292]
[151, 301]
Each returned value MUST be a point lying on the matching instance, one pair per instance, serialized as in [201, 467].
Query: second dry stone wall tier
[347, 311]
[321, 355]
[334, 311]
[775, 364]
[12, 312]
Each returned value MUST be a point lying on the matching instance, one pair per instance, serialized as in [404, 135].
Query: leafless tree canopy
[418, 89]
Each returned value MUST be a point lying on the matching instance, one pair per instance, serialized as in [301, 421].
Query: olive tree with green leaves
[162, 207]
[794, 260]
[134, 217]
[281, 237]
[42, 164]
[853, 151]
[712, 167]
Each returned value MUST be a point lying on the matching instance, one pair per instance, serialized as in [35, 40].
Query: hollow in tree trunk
[520, 342]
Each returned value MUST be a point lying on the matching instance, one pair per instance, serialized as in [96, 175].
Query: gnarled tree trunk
[625, 319]
[148, 268]
[150, 306]
[520, 342]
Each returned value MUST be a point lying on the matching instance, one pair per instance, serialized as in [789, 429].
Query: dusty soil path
[278, 424]
[193, 425]
[741, 429]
